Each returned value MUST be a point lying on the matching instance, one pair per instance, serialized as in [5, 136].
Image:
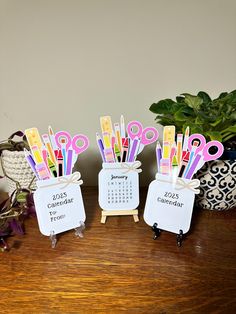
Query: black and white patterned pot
[217, 185]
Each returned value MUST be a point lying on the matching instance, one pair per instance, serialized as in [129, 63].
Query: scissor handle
[154, 135]
[65, 135]
[207, 156]
[85, 143]
[132, 134]
[200, 138]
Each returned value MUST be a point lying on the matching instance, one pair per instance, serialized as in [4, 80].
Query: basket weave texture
[17, 168]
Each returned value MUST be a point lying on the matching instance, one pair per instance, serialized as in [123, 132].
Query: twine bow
[133, 167]
[126, 167]
[181, 184]
[191, 185]
[73, 179]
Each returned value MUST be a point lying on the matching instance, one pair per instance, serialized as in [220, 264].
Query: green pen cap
[116, 149]
[174, 162]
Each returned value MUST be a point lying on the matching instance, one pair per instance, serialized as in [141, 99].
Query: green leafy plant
[214, 118]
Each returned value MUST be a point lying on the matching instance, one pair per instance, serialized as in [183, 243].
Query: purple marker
[69, 161]
[101, 147]
[31, 162]
[132, 154]
[159, 156]
[193, 167]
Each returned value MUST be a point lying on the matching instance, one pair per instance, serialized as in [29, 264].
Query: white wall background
[65, 62]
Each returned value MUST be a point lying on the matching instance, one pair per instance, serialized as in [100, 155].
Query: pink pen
[45, 156]
[165, 166]
[172, 151]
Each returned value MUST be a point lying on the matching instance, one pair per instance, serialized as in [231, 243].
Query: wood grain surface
[118, 267]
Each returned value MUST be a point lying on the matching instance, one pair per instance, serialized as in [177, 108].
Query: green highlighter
[175, 168]
[52, 167]
[117, 152]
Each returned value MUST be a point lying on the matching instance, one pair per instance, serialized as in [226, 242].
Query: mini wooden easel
[106, 213]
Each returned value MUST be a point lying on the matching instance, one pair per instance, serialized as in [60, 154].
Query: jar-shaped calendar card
[170, 198]
[119, 177]
[119, 185]
[58, 198]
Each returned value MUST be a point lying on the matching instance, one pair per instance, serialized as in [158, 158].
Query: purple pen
[132, 154]
[101, 147]
[193, 167]
[31, 162]
[69, 161]
[158, 156]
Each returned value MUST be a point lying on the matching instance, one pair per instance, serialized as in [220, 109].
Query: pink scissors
[142, 133]
[72, 142]
[204, 147]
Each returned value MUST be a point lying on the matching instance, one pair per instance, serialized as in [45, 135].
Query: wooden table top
[118, 267]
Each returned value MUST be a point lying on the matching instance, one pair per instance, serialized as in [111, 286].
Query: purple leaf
[16, 226]
[2, 205]
[17, 133]
[5, 233]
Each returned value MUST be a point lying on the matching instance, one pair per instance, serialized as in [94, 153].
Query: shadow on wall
[90, 163]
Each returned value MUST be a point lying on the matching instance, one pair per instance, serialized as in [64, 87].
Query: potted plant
[20, 179]
[216, 120]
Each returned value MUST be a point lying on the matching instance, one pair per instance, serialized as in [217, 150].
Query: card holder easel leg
[157, 233]
[78, 233]
[106, 213]
[119, 190]
[169, 205]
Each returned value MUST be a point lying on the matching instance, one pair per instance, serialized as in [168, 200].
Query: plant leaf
[214, 135]
[193, 101]
[222, 95]
[162, 107]
[205, 97]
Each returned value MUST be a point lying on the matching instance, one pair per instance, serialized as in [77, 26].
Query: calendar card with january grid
[119, 186]
[119, 147]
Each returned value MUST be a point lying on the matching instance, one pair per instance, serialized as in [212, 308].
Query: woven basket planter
[18, 172]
